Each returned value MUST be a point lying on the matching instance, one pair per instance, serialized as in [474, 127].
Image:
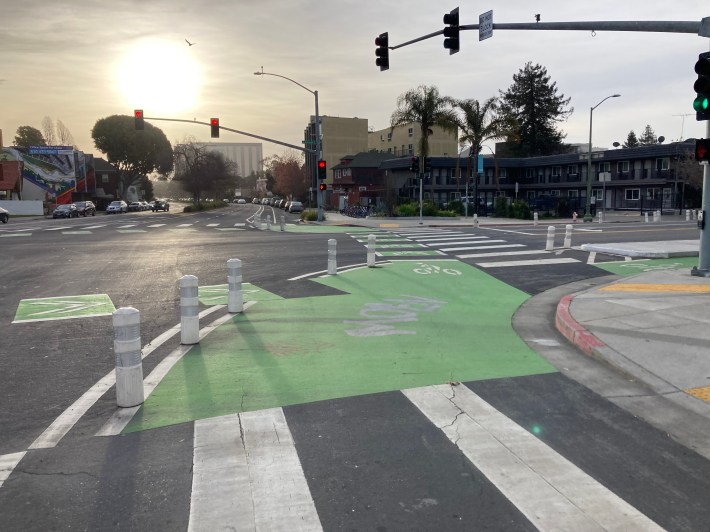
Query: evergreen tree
[631, 140]
[534, 103]
[27, 136]
[648, 137]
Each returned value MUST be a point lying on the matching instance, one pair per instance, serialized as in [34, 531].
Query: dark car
[160, 205]
[68, 210]
[295, 206]
[4, 215]
[86, 208]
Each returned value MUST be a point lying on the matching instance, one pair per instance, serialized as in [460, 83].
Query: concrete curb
[572, 330]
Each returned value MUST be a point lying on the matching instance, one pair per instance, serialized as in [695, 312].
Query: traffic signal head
[427, 165]
[701, 104]
[214, 128]
[702, 150]
[382, 51]
[322, 186]
[451, 32]
[138, 118]
[322, 170]
[414, 165]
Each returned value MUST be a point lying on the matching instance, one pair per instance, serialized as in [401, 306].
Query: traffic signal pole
[703, 269]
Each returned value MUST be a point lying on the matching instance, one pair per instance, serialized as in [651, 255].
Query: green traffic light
[701, 103]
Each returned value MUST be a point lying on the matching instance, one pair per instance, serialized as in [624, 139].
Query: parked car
[86, 208]
[67, 210]
[255, 200]
[145, 206]
[295, 206]
[135, 206]
[117, 207]
[160, 205]
[241, 201]
[4, 215]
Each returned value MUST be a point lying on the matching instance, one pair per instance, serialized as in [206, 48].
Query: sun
[159, 77]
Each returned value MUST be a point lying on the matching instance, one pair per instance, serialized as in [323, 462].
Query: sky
[84, 60]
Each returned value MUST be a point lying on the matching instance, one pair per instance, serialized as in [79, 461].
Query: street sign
[485, 25]
[308, 141]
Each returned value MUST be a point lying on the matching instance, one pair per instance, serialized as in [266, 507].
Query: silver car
[117, 207]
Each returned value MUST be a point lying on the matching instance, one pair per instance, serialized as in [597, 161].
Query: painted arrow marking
[71, 306]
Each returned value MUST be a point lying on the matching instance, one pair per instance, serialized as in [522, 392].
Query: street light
[319, 193]
[588, 213]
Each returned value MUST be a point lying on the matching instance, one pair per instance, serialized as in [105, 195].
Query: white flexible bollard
[475, 221]
[687, 215]
[568, 236]
[129, 364]
[371, 242]
[600, 217]
[283, 222]
[655, 216]
[268, 222]
[332, 259]
[189, 310]
[235, 298]
[645, 217]
[535, 218]
[550, 245]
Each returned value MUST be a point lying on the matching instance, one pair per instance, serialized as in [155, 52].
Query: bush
[407, 209]
[204, 206]
[501, 206]
[520, 209]
[310, 215]
[457, 207]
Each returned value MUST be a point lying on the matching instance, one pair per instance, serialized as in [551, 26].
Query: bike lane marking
[632, 267]
[63, 308]
[392, 328]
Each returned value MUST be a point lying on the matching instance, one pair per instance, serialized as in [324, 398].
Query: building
[248, 156]
[404, 140]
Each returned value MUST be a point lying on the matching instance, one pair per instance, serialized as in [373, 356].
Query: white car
[117, 207]
[4, 215]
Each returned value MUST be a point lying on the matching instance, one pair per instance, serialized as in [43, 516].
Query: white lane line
[67, 419]
[57, 228]
[252, 482]
[8, 462]
[127, 226]
[550, 491]
[474, 248]
[212, 225]
[510, 231]
[592, 257]
[122, 416]
[535, 262]
[502, 254]
[156, 225]
[239, 225]
[94, 226]
[184, 225]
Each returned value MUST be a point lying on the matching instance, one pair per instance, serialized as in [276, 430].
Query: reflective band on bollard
[189, 310]
[332, 260]
[568, 236]
[235, 300]
[371, 241]
[549, 246]
[127, 350]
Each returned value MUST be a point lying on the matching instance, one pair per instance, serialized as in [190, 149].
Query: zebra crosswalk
[481, 250]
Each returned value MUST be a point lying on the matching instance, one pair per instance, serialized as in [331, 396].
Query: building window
[410, 132]
[632, 194]
[653, 193]
[503, 173]
[572, 193]
[411, 149]
[605, 167]
[622, 167]
[663, 164]
[389, 136]
[555, 193]
[572, 169]
[389, 150]
[597, 193]
[556, 170]
[530, 172]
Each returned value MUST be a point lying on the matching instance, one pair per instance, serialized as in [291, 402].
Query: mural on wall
[58, 170]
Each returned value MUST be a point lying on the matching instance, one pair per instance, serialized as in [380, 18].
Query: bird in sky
[537, 17]
[189, 43]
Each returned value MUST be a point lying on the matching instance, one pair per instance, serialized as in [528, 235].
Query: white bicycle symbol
[426, 269]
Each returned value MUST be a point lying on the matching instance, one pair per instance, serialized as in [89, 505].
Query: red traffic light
[138, 119]
[702, 149]
[323, 186]
[214, 128]
[322, 169]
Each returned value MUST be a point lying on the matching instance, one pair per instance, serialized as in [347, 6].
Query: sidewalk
[654, 327]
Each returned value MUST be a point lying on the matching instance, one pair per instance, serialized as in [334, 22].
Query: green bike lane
[402, 325]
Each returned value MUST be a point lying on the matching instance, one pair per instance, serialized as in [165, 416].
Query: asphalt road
[374, 461]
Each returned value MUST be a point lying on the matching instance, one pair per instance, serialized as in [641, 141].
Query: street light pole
[588, 211]
[319, 193]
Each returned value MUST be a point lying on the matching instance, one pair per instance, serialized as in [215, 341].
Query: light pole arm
[262, 73]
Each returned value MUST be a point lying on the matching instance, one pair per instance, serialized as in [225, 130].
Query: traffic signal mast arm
[267, 139]
[701, 28]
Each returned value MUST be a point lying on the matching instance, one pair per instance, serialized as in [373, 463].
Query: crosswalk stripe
[247, 475]
[501, 254]
[128, 226]
[534, 262]
[156, 225]
[8, 462]
[447, 238]
[478, 240]
[550, 491]
[212, 225]
[472, 248]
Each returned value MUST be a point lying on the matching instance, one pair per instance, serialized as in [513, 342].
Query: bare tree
[64, 136]
[48, 130]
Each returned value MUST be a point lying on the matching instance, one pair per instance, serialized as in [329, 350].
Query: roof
[366, 159]
[101, 165]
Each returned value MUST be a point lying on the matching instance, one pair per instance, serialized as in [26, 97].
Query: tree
[534, 104]
[135, 153]
[202, 170]
[648, 137]
[479, 123]
[64, 136]
[631, 140]
[289, 176]
[27, 136]
[48, 131]
[425, 106]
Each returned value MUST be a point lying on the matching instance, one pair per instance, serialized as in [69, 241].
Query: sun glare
[159, 77]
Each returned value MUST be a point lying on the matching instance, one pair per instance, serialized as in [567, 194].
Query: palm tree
[425, 106]
[479, 123]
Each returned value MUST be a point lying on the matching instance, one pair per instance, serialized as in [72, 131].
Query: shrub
[407, 209]
[501, 206]
[310, 215]
[457, 207]
[204, 206]
[520, 209]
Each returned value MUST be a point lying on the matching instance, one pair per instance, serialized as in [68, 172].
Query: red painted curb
[572, 330]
